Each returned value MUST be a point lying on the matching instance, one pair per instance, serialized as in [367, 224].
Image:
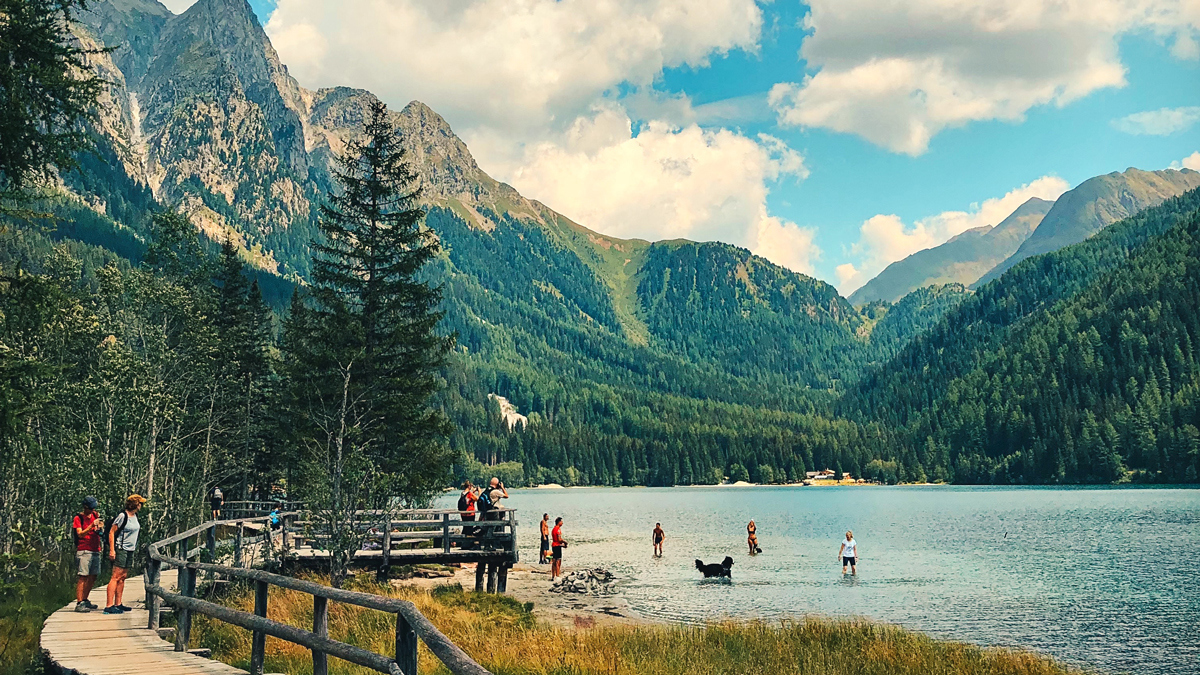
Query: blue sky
[655, 121]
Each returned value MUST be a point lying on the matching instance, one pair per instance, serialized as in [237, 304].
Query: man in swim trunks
[849, 553]
[557, 543]
[658, 537]
[544, 552]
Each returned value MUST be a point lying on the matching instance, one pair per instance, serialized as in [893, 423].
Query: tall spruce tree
[366, 355]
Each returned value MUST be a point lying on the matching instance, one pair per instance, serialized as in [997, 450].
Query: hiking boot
[82, 607]
[123, 608]
[90, 605]
[112, 610]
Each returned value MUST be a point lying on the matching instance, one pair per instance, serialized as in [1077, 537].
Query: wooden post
[502, 579]
[387, 543]
[284, 520]
[491, 576]
[512, 534]
[321, 628]
[152, 602]
[237, 546]
[187, 588]
[480, 570]
[212, 548]
[183, 616]
[258, 643]
[445, 532]
[406, 646]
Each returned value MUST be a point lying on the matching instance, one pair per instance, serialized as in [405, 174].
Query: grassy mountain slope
[1093, 205]
[961, 260]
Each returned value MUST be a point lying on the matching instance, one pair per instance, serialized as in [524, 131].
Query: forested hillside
[1073, 366]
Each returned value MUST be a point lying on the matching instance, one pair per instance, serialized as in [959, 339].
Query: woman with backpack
[466, 507]
[122, 548]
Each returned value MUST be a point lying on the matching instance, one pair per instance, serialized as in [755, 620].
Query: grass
[25, 602]
[504, 636]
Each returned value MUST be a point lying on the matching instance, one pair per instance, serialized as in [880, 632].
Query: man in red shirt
[88, 527]
[557, 543]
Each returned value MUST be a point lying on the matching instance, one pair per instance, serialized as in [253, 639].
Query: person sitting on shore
[557, 544]
[87, 527]
[849, 554]
[122, 548]
[544, 551]
[657, 537]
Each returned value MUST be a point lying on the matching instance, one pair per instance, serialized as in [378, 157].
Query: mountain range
[635, 361]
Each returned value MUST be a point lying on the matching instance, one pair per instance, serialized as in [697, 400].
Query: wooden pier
[130, 644]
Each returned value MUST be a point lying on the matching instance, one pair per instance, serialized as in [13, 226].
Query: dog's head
[727, 562]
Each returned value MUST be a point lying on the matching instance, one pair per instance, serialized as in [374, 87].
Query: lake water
[1104, 578]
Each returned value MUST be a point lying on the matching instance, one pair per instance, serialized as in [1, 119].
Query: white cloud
[177, 6]
[1161, 122]
[666, 182]
[897, 73]
[1192, 162]
[884, 239]
[516, 65]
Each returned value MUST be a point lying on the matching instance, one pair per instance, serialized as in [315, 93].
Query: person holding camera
[87, 526]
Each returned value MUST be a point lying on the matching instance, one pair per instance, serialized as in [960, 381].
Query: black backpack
[120, 530]
[462, 502]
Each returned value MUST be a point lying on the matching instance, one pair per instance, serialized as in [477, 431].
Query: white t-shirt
[849, 550]
[127, 538]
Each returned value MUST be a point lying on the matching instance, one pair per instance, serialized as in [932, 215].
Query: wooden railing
[410, 623]
[248, 508]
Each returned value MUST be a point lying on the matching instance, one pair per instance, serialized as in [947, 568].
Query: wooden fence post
[237, 547]
[386, 554]
[406, 646]
[258, 644]
[445, 532]
[284, 538]
[187, 588]
[321, 628]
[182, 615]
[211, 544]
[491, 577]
[152, 601]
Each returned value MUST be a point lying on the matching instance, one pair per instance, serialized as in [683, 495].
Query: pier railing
[411, 625]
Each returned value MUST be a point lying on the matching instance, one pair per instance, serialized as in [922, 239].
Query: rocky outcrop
[596, 581]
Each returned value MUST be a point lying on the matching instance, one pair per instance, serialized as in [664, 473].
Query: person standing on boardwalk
[544, 552]
[122, 545]
[87, 527]
[557, 544]
[466, 507]
[657, 537]
[849, 553]
[216, 501]
[752, 538]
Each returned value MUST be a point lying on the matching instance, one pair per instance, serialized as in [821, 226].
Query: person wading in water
[752, 538]
[657, 537]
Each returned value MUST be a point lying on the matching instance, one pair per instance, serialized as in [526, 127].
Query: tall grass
[504, 637]
[26, 599]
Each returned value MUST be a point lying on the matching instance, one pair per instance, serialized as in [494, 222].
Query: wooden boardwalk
[95, 643]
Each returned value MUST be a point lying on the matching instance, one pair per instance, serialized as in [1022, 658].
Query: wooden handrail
[410, 623]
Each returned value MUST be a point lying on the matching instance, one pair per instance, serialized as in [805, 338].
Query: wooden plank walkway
[95, 643]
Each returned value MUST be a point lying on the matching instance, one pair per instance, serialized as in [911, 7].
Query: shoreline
[531, 583]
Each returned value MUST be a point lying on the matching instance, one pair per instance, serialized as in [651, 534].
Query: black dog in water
[715, 570]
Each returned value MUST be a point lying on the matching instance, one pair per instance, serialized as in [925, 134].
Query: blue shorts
[847, 560]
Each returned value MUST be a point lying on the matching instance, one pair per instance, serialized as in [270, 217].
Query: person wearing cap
[122, 545]
[88, 527]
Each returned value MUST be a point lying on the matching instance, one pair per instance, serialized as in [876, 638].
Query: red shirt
[556, 536]
[91, 540]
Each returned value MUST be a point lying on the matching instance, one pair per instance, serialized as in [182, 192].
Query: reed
[503, 635]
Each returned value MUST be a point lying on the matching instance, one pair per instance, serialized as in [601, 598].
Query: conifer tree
[364, 355]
